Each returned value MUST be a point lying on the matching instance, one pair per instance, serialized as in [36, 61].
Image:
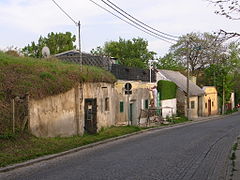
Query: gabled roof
[181, 81]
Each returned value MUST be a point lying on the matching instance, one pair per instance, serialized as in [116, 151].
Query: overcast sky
[23, 21]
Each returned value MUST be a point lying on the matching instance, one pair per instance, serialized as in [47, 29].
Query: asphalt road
[193, 152]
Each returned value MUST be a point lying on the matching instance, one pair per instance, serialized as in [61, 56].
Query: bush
[167, 89]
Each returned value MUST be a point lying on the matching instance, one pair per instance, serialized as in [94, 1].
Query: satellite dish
[45, 52]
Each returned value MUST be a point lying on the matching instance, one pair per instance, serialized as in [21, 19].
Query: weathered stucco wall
[140, 95]
[101, 91]
[53, 116]
[182, 104]
[64, 115]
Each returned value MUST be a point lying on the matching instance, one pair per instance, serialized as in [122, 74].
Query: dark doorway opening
[209, 107]
[90, 109]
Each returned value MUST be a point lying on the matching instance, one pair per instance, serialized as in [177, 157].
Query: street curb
[52, 156]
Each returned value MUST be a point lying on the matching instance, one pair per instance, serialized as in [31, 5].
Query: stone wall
[169, 107]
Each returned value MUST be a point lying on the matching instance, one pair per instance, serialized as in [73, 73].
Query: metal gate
[90, 109]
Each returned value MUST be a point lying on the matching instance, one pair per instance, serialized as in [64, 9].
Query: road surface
[197, 151]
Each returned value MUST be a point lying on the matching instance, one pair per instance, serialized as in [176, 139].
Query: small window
[146, 103]
[192, 104]
[212, 103]
[206, 105]
[107, 104]
[121, 106]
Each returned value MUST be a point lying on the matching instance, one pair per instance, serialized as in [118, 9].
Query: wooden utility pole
[79, 44]
[188, 74]
[13, 115]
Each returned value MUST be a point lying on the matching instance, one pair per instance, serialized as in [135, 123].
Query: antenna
[45, 52]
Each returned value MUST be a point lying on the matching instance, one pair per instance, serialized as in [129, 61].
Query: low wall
[169, 107]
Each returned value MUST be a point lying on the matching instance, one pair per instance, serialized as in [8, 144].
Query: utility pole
[79, 44]
[188, 80]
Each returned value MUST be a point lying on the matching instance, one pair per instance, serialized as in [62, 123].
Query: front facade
[209, 104]
[131, 102]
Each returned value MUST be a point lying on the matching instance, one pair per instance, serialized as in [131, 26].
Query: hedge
[167, 89]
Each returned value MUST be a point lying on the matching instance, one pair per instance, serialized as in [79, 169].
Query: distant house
[209, 104]
[195, 92]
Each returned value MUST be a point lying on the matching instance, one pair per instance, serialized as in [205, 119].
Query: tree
[231, 10]
[199, 49]
[129, 52]
[228, 8]
[224, 74]
[169, 62]
[56, 42]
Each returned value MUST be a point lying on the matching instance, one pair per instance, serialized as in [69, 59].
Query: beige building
[209, 104]
[130, 105]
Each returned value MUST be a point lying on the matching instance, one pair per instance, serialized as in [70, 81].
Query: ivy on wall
[167, 89]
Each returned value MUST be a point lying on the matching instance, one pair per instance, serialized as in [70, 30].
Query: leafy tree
[224, 74]
[57, 42]
[129, 52]
[199, 49]
[169, 62]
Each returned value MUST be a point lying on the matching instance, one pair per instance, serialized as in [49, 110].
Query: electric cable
[141, 21]
[136, 23]
[130, 23]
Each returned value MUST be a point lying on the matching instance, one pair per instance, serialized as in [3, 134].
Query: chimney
[193, 79]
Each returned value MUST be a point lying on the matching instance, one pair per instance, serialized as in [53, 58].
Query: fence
[132, 73]
[14, 115]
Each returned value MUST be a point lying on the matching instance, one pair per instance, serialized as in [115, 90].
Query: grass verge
[16, 149]
[26, 147]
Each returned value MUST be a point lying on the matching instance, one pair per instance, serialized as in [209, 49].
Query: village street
[197, 151]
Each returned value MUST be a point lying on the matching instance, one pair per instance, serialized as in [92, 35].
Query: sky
[23, 21]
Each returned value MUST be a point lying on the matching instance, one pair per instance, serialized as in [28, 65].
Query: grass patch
[26, 146]
[177, 119]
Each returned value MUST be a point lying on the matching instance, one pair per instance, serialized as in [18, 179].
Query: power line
[79, 31]
[75, 22]
[130, 23]
[141, 21]
[138, 24]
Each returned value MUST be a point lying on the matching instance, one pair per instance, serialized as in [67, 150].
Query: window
[107, 104]
[192, 104]
[212, 103]
[121, 106]
[205, 105]
[146, 103]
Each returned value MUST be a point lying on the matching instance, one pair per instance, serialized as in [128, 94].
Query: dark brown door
[209, 107]
[90, 109]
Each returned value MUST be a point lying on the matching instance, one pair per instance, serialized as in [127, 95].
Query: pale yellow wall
[210, 93]
[193, 111]
[182, 104]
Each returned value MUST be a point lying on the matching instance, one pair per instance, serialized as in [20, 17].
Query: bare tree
[231, 10]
